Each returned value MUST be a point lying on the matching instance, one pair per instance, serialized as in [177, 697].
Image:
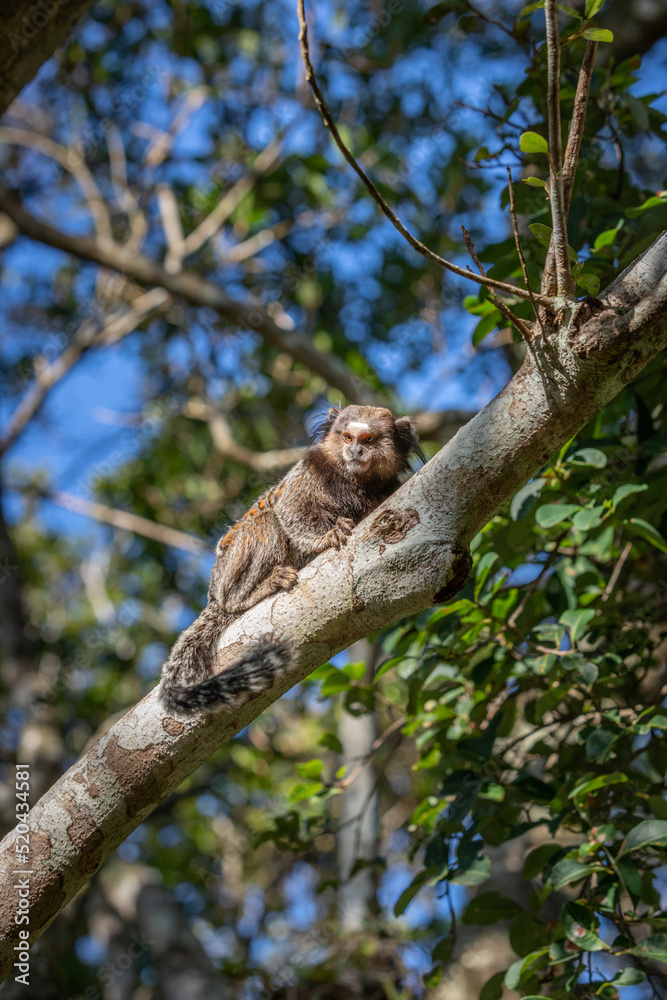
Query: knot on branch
[393, 525]
[458, 564]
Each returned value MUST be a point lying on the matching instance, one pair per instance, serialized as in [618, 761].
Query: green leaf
[305, 791]
[645, 530]
[335, 682]
[592, 7]
[584, 787]
[550, 514]
[536, 182]
[599, 744]
[654, 947]
[516, 969]
[653, 202]
[485, 326]
[649, 832]
[628, 977]
[590, 517]
[589, 456]
[533, 142]
[493, 987]
[331, 742]
[541, 233]
[476, 871]
[589, 282]
[531, 489]
[605, 239]
[598, 35]
[488, 907]
[311, 768]
[577, 621]
[580, 924]
[569, 870]
[409, 894]
[538, 859]
[626, 490]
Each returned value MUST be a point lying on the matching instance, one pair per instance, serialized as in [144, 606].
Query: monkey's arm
[308, 516]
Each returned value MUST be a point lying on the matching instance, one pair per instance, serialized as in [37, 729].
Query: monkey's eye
[347, 437]
[369, 439]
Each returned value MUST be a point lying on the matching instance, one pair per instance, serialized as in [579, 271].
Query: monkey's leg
[280, 578]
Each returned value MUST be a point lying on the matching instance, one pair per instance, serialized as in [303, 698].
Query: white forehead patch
[357, 426]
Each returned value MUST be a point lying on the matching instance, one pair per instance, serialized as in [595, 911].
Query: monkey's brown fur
[358, 460]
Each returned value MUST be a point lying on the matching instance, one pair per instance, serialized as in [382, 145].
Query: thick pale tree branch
[387, 210]
[410, 553]
[197, 290]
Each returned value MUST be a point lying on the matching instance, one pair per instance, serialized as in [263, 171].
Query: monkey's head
[369, 442]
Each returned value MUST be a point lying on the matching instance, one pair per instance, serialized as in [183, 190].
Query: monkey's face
[362, 439]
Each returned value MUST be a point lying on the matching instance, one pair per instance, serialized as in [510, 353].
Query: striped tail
[236, 685]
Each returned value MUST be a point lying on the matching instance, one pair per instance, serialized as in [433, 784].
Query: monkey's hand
[338, 535]
[283, 578]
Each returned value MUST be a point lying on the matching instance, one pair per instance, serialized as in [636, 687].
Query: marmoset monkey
[357, 460]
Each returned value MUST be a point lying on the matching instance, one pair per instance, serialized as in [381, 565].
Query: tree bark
[409, 554]
[32, 31]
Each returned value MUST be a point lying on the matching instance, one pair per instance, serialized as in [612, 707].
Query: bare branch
[571, 158]
[209, 227]
[416, 244]
[519, 248]
[74, 164]
[564, 284]
[173, 230]
[202, 293]
[576, 133]
[88, 335]
[124, 196]
[130, 522]
[264, 463]
[161, 142]
[525, 331]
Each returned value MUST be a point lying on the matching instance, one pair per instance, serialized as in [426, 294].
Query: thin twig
[559, 234]
[576, 133]
[416, 244]
[124, 196]
[172, 228]
[519, 249]
[617, 571]
[233, 197]
[571, 158]
[499, 304]
[382, 738]
[130, 522]
[264, 463]
[532, 587]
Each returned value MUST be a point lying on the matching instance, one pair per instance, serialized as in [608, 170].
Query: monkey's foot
[284, 577]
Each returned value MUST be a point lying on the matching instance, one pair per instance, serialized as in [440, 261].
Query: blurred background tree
[143, 414]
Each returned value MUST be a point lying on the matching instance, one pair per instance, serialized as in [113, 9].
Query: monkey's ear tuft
[322, 424]
[407, 439]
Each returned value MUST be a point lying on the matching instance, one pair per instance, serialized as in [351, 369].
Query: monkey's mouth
[356, 462]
